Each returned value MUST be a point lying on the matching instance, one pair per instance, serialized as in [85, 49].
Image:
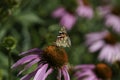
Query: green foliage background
[31, 24]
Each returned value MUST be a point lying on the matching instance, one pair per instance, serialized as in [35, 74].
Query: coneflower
[106, 43]
[51, 58]
[84, 9]
[111, 14]
[100, 71]
[67, 19]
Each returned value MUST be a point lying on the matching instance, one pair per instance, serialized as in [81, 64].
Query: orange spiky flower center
[86, 2]
[116, 10]
[110, 39]
[55, 56]
[103, 71]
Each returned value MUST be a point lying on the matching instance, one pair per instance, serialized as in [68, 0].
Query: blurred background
[27, 24]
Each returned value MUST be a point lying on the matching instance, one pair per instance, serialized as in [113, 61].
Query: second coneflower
[111, 14]
[100, 71]
[106, 43]
[51, 58]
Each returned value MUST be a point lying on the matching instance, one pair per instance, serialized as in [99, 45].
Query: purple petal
[29, 65]
[88, 73]
[111, 55]
[96, 45]
[104, 53]
[87, 66]
[59, 12]
[65, 73]
[108, 53]
[41, 72]
[59, 75]
[81, 71]
[24, 60]
[113, 21]
[117, 49]
[90, 77]
[35, 50]
[85, 11]
[68, 20]
[47, 73]
[95, 36]
[28, 76]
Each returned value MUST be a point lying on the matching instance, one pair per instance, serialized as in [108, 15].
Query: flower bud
[9, 42]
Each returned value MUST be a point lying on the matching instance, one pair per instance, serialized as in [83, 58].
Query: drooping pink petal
[28, 76]
[41, 72]
[59, 74]
[59, 12]
[29, 65]
[85, 11]
[113, 21]
[117, 49]
[96, 46]
[35, 50]
[107, 53]
[25, 59]
[88, 66]
[92, 77]
[68, 20]
[65, 73]
[47, 73]
[87, 73]
[103, 53]
[95, 36]
[112, 54]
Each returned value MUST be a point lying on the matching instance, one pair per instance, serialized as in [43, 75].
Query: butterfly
[63, 40]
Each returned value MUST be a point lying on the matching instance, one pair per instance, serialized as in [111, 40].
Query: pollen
[55, 56]
[103, 71]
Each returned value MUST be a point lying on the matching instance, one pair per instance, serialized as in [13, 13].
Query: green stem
[9, 65]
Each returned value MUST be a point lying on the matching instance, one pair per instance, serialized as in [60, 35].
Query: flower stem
[9, 65]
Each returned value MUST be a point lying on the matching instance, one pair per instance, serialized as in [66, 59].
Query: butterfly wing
[63, 38]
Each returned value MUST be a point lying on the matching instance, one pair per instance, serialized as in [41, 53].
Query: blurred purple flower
[99, 71]
[104, 10]
[85, 72]
[111, 20]
[59, 12]
[47, 60]
[84, 10]
[66, 19]
[106, 43]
